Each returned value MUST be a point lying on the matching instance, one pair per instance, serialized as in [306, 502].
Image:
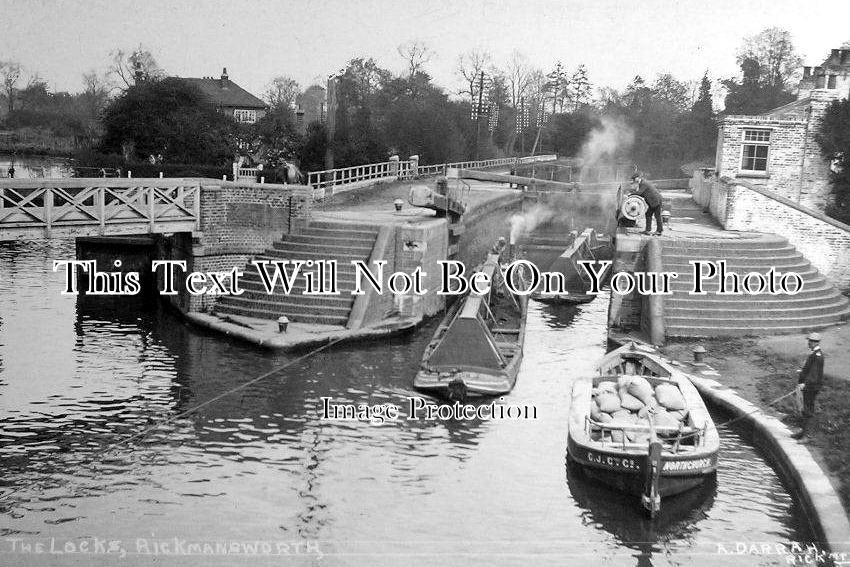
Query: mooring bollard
[282, 324]
[699, 353]
[398, 204]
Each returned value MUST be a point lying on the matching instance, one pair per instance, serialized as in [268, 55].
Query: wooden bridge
[39, 208]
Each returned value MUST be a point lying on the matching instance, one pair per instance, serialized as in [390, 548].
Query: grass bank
[763, 369]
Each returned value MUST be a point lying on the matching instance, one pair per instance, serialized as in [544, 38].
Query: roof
[224, 92]
[794, 109]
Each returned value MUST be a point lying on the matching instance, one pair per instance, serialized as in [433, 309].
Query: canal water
[259, 475]
[33, 167]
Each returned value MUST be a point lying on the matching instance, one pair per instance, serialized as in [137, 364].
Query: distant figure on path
[11, 171]
[652, 197]
[810, 382]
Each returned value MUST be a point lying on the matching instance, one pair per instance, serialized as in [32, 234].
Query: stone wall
[738, 205]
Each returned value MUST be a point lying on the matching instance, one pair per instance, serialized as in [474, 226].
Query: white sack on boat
[670, 397]
[608, 402]
[628, 401]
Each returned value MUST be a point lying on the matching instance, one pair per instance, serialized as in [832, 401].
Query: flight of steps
[819, 305]
[321, 240]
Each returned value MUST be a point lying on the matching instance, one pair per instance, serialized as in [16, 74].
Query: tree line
[134, 111]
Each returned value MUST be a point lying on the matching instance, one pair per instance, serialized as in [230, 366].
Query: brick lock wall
[237, 222]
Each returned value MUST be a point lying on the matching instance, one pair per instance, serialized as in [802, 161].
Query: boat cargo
[477, 349]
[641, 426]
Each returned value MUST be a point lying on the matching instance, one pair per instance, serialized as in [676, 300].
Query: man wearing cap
[650, 194]
[810, 382]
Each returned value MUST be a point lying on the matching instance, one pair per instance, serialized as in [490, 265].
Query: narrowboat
[477, 349]
[641, 426]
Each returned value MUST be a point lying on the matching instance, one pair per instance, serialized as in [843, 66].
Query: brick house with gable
[229, 98]
[777, 149]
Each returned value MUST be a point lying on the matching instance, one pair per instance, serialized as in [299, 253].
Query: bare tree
[10, 72]
[518, 72]
[282, 92]
[416, 54]
[469, 67]
[126, 67]
[95, 92]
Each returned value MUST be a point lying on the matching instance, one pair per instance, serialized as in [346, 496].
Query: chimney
[834, 54]
[224, 74]
[137, 72]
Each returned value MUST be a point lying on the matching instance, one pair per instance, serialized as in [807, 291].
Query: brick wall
[737, 205]
[237, 222]
[795, 169]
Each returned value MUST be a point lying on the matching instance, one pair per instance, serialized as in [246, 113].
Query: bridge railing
[328, 182]
[87, 205]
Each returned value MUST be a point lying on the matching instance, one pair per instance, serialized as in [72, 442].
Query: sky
[307, 40]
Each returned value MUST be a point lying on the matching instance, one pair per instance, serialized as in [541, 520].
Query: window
[830, 84]
[755, 150]
[245, 116]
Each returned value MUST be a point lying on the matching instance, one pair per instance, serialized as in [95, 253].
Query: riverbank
[765, 368]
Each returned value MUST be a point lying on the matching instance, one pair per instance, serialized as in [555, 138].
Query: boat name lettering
[613, 461]
[686, 465]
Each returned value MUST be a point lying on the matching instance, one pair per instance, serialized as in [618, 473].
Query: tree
[558, 86]
[833, 137]
[703, 128]
[517, 74]
[10, 72]
[670, 91]
[416, 55]
[95, 93]
[774, 52]
[127, 67]
[469, 67]
[282, 92]
[168, 117]
[580, 86]
[753, 94]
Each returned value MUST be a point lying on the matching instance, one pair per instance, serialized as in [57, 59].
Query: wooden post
[48, 209]
[101, 208]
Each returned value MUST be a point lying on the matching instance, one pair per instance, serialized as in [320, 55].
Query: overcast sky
[259, 39]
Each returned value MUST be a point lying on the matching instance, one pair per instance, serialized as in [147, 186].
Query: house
[777, 149]
[230, 98]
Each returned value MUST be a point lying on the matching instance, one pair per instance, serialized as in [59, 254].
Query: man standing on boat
[650, 194]
[810, 382]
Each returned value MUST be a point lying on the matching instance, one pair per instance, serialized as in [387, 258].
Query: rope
[145, 432]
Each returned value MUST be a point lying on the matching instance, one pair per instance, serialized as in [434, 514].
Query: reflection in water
[77, 375]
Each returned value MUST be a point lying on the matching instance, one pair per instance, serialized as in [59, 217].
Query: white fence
[329, 182]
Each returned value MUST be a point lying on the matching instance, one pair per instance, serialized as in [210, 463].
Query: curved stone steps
[321, 240]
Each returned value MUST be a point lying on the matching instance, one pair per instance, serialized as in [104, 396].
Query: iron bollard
[282, 324]
[398, 204]
[699, 353]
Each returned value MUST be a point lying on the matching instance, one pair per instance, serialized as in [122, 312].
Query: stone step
[687, 277]
[769, 319]
[710, 331]
[809, 296]
[740, 248]
[341, 225]
[343, 266]
[338, 305]
[343, 240]
[258, 313]
[762, 264]
[255, 284]
[352, 248]
[340, 257]
[338, 232]
[749, 311]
